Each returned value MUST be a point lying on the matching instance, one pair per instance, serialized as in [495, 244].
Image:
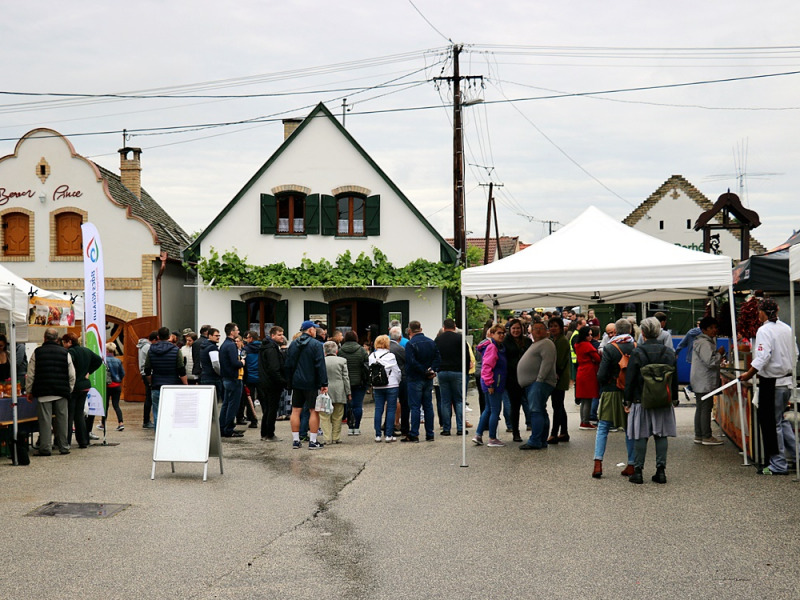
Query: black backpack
[377, 373]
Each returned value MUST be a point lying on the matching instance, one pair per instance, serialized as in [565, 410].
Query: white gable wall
[322, 159]
[678, 216]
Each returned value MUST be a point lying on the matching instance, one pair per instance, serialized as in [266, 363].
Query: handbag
[324, 404]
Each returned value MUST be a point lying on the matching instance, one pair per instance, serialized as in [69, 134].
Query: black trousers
[559, 413]
[515, 397]
[405, 412]
[270, 399]
[75, 417]
[148, 402]
[766, 416]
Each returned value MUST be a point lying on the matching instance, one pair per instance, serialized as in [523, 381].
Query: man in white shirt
[774, 355]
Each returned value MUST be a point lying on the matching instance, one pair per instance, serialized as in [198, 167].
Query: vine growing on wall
[229, 269]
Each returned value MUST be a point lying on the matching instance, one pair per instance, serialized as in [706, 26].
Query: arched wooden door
[132, 385]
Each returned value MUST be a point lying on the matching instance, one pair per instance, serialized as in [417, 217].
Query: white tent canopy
[596, 259]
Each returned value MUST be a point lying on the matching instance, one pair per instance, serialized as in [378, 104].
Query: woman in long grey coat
[646, 422]
[338, 390]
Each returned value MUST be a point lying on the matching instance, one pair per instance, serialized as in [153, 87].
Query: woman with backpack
[651, 390]
[385, 379]
[356, 366]
[611, 412]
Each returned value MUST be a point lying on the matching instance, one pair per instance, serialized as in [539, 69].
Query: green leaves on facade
[231, 269]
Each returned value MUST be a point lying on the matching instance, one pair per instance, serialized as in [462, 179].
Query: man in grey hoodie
[704, 377]
[536, 373]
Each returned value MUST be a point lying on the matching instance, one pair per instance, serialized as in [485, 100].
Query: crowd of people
[287, 379]
[319, 383]
[626, 381]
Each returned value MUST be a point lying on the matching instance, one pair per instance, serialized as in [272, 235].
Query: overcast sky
[554, 156]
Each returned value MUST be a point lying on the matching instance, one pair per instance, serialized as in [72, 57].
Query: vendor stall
[15, 306]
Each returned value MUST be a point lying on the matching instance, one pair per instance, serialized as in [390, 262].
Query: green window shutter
[312, 214]
[400, 306]
[269, 214]
[372, 218]
[311, 307]
[282, 314]
[239, 315]
[329, 215]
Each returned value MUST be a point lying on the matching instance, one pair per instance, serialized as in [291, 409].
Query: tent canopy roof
[596, 259]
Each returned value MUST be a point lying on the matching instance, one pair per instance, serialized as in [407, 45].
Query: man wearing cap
[307, 376]
[774, 356]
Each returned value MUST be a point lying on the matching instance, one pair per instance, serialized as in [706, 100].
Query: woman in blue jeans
[611, 411]
[493, 382]
[385, 395]
[356, 360]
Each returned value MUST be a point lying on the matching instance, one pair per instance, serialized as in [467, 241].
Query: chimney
[130, 170]
[289, 125]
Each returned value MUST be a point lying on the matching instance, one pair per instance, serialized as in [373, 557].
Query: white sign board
[187, 429]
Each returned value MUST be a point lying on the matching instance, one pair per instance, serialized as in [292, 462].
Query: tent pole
[794, 374]
[13, 365]
[464, 386]
[735, 344]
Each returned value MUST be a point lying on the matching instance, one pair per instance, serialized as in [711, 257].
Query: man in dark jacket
[422, 362]
[51, 377]
[307, 375]
[164, 366]
[197, 351]
[450, 344]
[252, 346]
[271, 380]
[229, 365]
[85, 362]
[209, 359]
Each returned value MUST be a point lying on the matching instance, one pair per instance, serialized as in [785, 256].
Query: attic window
[291, 214]
[688, 223]
[661, 224]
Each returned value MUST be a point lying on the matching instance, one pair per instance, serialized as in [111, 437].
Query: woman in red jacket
[586, 387]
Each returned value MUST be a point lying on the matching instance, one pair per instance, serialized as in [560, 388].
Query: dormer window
[350, 216]
[291, 214]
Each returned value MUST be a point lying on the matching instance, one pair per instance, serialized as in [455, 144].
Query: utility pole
[459, 216]
[491, 209]
[345, 109]
[459, 226]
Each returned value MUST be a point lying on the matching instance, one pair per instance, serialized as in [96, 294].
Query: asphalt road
[363, 520]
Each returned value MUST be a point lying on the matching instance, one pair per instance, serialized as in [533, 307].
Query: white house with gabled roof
[319, 195]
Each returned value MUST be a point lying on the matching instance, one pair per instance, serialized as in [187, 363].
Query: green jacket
[563, 362]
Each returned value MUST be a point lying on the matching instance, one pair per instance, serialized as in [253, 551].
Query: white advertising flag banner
[94, 322]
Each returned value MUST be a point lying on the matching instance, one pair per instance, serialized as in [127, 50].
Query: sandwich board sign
[187, 429]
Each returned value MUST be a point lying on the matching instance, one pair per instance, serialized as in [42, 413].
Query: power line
[419, 12]
[194, 96]
[505, 100]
